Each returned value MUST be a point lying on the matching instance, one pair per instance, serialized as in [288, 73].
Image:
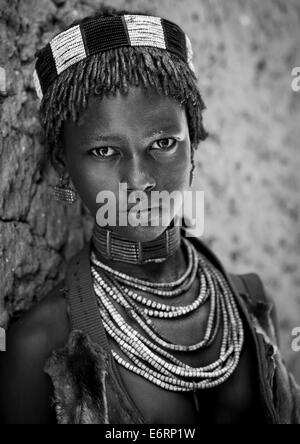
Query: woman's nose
[138, 176]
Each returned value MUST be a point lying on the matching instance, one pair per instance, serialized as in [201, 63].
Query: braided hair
[116, 70]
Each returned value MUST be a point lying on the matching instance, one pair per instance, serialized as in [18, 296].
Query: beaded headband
[104, 33]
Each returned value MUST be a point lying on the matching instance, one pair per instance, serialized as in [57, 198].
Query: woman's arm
[25, 390]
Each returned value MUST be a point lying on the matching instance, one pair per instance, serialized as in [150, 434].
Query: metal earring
[192, 174]
[63, 191]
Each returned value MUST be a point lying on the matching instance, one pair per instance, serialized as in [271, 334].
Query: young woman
[147, 327]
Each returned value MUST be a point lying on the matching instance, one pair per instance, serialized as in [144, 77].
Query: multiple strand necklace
[148, 354]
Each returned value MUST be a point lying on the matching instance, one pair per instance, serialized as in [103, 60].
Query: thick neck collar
[115, 247]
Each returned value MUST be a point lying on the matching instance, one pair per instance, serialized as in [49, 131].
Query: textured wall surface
[249, 168]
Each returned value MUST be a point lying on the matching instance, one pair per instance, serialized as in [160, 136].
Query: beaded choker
[113, 246]
[100, 34]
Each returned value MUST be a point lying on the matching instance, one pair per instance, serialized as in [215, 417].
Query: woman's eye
[103, 152]
[165, 144]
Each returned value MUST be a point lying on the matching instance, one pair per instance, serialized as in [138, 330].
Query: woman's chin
[140, 233]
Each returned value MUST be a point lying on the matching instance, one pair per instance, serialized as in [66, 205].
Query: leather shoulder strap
[84, 311]
[250, 284]
[252, 287]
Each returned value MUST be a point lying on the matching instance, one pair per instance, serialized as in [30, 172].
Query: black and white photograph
[150, 288]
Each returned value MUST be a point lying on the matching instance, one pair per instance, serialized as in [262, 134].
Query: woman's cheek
[178, 174]
[87, 182]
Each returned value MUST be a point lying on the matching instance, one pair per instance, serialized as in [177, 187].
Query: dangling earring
[192, 172]
[63, 191]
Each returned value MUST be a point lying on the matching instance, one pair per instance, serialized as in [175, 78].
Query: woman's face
[141, 139]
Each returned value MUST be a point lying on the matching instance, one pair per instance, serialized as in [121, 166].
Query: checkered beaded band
[104, 33]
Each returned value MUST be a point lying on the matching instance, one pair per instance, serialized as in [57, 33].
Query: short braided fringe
[117, 70]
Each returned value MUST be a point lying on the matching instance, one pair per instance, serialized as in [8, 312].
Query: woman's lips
[143, 211]
[146, 210]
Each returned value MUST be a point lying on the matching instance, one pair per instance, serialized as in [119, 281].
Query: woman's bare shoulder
[26, 390]
[46, 322]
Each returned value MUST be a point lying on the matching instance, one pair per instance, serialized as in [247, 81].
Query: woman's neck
[168, 270]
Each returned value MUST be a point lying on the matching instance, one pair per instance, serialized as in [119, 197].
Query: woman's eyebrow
[151, 133]
[172, 128]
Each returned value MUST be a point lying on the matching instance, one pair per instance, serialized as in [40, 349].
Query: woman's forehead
[139, 104]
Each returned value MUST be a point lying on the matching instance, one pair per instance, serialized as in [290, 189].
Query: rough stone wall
[249, 168]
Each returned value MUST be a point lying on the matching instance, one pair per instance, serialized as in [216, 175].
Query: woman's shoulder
[46, 323]
[25, 388]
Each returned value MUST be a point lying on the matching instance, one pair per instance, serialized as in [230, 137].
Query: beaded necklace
[148, 353]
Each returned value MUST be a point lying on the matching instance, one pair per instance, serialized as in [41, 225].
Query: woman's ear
[59, 152]
[58, 159]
